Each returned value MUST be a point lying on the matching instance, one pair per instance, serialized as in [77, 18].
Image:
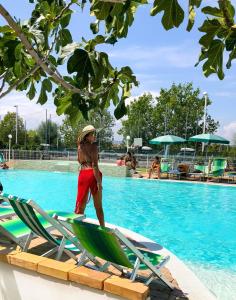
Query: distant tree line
[178, 110]
[58, 137]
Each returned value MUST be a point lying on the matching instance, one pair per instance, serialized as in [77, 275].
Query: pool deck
[91, 284]
[145, 177]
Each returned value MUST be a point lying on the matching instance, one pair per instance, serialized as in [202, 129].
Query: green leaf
[43, 96]
[63, 104]
[17, 69]
[126, 75]
[74, 115]
[52, 60]
[47, 85]
[77, 60]
[65, 37]
[231, 57]
[191, 17]
[213, 11]
[79, 102]
[32, 91]
[94, 27]
[126, 90]
[196, 3]
[191, 12]
[6, 29]
[226, 4]
[120, 110]
[101, 9]
[113, 94]
[65, 21]
[173, 13]
[29, 60]
[80, 62]
[211, 27]
[230, 42]
[111, 40]
[214, 63]
[18, 50]
[99, 39]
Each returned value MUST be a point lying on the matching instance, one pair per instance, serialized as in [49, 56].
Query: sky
[157, 57]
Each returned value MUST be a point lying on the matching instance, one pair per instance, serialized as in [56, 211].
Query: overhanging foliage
[32, 51]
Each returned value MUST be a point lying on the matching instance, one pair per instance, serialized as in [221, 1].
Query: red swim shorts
[86, 182]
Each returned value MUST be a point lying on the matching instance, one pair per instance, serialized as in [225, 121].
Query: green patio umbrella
[167, 140]
[208, 138]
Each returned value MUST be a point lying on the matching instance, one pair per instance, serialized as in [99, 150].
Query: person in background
[4, 166]
[155, 168]
[1, 187]
[90, 177]
[121, 161]
[130, 161]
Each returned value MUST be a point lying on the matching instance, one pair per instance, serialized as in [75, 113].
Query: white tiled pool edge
[187, 280]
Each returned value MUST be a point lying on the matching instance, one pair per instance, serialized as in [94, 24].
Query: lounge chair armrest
[163, 262]
[65, 219]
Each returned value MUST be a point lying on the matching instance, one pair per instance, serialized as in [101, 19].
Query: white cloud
[135, 97]
[146, 57]
[228, 131]
[30, 111]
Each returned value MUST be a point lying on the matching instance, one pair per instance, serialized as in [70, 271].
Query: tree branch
[3, 84]
[34, 54]
[19, 81]
[63, 10]
[3, 75]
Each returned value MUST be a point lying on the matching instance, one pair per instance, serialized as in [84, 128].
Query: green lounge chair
[107, 243]
[217, 168]
[33, 221]
[16, 231]
[219, 163]
[6, 213]
[201, 172]
[165, 168]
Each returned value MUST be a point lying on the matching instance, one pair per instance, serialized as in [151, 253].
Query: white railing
[36, 155]
[144, 160]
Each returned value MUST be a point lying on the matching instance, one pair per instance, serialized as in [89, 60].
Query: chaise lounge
[113, 247]
[34, 221]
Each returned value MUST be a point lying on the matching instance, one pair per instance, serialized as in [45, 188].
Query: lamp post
[16, 106]
[204, 117]
[127, 142]
[9, 151]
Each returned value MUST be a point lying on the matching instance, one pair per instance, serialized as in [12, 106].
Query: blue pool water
[195, 221]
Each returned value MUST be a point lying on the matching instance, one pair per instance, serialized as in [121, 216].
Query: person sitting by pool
[90, 177]
[4, 166]
[121, 161]
[130, 161]
[1, 187]
[155, 168]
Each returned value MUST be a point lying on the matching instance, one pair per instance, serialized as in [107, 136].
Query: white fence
[30, 154]
[143, 159]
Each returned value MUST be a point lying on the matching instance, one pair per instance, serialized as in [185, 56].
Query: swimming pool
[195, 221]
